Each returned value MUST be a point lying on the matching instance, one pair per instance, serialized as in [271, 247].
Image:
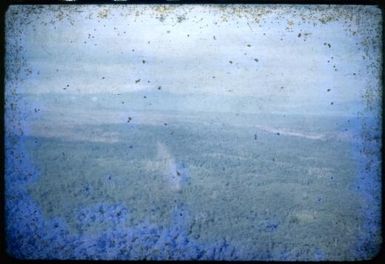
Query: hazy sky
[288, 54]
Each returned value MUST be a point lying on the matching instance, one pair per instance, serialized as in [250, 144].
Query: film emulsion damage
[213, 132]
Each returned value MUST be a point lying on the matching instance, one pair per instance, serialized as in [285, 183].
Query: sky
[289, 55]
